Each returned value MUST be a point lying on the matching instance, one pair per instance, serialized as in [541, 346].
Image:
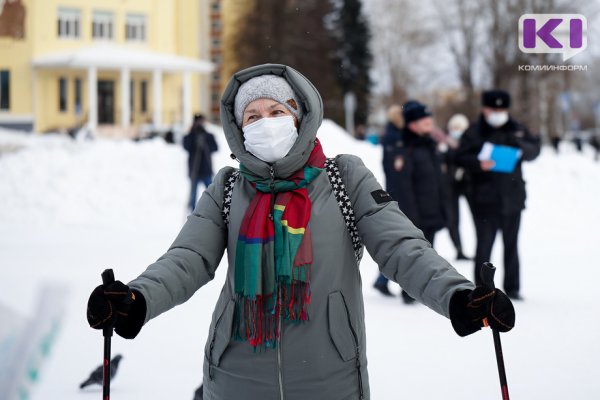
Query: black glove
[483, 306]
[116, 305]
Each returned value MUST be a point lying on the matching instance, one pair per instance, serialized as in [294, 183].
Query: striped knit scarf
[274, 255]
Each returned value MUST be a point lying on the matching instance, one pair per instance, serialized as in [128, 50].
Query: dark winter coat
[200, 145]
[324, 358]
[393, 147]
[414, 178]
[457, 178]
[495, 192]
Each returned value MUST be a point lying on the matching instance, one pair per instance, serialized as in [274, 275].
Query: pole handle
[486, 274]
[108, 277]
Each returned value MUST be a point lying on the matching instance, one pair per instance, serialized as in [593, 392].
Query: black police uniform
[497, 199]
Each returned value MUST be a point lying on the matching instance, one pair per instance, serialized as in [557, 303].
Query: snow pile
[336, 140]
[52, 179]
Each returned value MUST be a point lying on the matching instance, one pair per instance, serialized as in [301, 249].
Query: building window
[135, 28]
[77, 96]
[102, 25]
[144, 96]
[62, 94]
[4, 90]
[69, 23]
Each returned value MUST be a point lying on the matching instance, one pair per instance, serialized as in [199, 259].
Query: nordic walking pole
[486, 273]
[107, 277]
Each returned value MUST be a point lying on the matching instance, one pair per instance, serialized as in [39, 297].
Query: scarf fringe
[256, 318]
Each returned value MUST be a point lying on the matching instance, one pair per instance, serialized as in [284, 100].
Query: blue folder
[505, 157]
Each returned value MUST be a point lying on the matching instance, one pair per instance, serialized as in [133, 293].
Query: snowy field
[70, 209]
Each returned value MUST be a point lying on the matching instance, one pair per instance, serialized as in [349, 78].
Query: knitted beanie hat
[266, 87]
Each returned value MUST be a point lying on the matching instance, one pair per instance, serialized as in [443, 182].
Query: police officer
[497, 197]
[414, 179]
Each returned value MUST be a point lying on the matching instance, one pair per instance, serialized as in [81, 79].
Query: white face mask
[270, 139]
[497, 118]
[455, 134]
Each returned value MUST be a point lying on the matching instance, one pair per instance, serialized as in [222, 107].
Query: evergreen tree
[291, 32]
[352, 56]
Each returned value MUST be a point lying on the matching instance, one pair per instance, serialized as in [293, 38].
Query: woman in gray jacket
[289, 323]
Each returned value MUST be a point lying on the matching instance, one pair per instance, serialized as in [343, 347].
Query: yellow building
[110, 65]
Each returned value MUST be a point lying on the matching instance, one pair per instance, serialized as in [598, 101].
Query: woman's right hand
[487, 165]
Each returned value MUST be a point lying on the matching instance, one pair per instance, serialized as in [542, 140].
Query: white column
[204, 88]
[92, 98]
[186, 93]
[34, 103]
[125, 98]
[157, 98]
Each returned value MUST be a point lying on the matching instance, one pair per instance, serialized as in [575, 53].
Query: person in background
[555, 141]
[392, 162]
[595, 143]
[456, 181]
[289, 321]
[498, 198]
[200, 144]
[414, 176]
[169, 137]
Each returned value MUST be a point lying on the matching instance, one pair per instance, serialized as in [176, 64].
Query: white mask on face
[270, 139]
[455, 134]
[497, 118]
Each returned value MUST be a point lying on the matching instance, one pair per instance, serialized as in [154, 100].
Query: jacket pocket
[340, 328]
[220, 334]
[343, 334]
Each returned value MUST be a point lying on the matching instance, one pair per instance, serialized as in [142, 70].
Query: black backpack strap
[229, 184]
[343, 200]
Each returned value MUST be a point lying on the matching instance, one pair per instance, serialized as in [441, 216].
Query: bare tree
[462, 30]
[482, 38]
[399, 47]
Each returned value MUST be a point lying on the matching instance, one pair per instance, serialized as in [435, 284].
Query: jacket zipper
[279, 366]
[271, 216]
[212, 346]
[211, 363]
[272, 187]
[357, 363]
[360, 384]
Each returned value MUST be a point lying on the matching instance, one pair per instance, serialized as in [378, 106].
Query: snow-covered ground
[70, 209]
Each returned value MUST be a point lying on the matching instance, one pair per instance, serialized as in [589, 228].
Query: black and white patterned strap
[343, 200]
[229, 183]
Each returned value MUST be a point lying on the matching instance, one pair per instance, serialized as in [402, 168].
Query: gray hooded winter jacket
[324, 358]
